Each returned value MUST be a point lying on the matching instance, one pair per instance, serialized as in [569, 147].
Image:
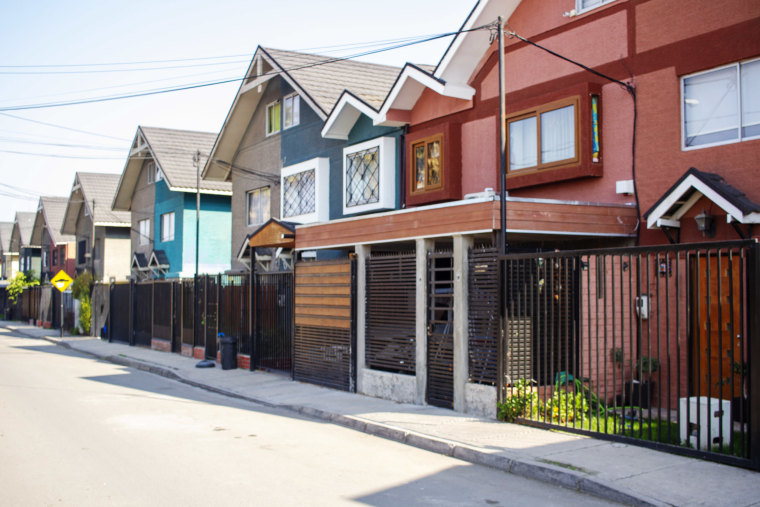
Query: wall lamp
[705, 224]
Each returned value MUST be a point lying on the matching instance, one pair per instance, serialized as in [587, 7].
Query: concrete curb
[548, 473]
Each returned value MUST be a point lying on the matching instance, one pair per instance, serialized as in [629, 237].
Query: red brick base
[199, 352]
[187, 350]
[244, 362]
[162, 345]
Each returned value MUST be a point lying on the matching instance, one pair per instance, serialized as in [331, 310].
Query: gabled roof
[172, 151]
[22, 230]
[685, 193]
[97, 187]
[6, 229]
[452, 75]
[319, 80]
[139, 262]
[50, 217]
[158, 260]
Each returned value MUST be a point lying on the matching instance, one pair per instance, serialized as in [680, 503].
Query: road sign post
[61, 281]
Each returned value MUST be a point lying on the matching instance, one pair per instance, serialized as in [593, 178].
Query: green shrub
[18, 284]
[85, 315]
[521, 400]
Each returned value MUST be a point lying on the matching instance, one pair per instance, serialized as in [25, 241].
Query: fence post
[131, 312]
[753, 328]
[252, 334]
[501, 339]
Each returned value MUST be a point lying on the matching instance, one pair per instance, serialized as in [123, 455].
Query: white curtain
[558, 134]
[523, 147]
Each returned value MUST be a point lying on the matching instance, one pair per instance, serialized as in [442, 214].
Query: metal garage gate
[324, 340]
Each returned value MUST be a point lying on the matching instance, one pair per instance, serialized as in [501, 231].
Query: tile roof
[174, 150]
[53, 209]
[6, 229]
[101, 187]
[25, 223]
[324, 78]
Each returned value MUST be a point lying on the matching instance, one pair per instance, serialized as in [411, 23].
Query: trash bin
[228, 345]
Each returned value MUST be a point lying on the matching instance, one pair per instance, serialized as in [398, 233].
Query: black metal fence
[273, 320]
[647, 344]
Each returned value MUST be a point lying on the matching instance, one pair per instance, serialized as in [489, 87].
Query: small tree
[80, 289]
[18, 284]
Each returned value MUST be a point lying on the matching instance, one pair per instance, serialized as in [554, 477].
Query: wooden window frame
[413, 166]
[536, 112]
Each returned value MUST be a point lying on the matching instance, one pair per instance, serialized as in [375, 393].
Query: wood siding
[549, 217]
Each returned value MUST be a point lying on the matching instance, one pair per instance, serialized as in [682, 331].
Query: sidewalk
[615, 471]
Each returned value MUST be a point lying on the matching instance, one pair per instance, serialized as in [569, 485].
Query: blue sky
[95, 137]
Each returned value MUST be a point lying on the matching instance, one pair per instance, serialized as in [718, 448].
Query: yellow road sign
[61, 280]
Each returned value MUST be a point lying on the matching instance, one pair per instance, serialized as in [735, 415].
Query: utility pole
[92, 243]
[197, 162]
[502, 144]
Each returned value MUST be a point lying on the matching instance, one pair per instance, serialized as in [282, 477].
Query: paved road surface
[76, 431]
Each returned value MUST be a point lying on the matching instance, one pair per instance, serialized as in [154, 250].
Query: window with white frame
[291, 113]
[721, 105]
[369, 181]
[305, 191]
[273, 118]
[587, 5]
[258, 206]
[167, 226]
[143, 231]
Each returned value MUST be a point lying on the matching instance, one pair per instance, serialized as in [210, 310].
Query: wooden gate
[324, 340]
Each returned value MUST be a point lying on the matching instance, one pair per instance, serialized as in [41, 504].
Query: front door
[717, 338]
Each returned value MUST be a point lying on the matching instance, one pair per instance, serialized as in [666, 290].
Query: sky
[55, 52]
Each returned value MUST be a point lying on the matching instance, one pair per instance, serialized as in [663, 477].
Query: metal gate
[324, 340]
[650, 345]
[273, 321]
[142, 305]
[391, 324]
[440, 330]
[120, 313]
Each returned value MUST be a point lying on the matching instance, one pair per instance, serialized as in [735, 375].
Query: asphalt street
[78, 431]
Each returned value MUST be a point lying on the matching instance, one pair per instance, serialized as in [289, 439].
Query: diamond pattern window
[363, 177]
[299, 193]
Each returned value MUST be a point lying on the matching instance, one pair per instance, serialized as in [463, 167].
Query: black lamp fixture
[705, 224]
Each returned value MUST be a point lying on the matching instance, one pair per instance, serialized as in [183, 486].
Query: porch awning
[689, 189]
[139, 262]
[159, 261]
[273, 234]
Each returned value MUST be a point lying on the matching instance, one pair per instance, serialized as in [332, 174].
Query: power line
[54, 155]
[63, 145]
[226, 81]
[102, 71]
[142, 62]
[63, 127]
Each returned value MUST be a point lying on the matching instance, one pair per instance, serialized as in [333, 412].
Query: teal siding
[166, 202]
[215, 234]
[215, 229]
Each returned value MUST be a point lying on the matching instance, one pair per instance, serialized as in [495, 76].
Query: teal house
[159, 186]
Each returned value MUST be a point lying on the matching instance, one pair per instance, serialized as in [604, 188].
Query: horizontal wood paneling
[425, 222]
[324, 325]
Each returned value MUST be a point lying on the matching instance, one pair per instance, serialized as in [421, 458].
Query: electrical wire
[63, 127]
[55, 155]
[327, 61]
